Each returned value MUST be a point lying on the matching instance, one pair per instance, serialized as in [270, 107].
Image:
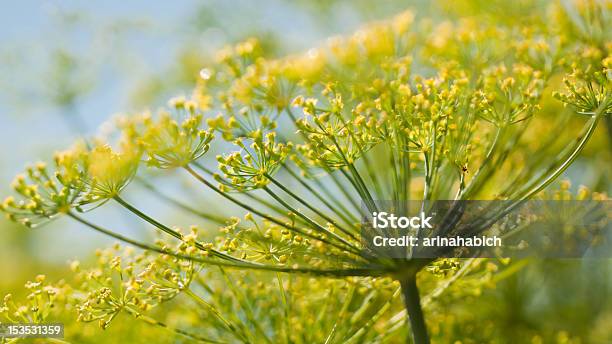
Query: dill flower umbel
[42, 196]
[250, 167]
[144, 282]
[175, 139]
[105, 172]
[398, 111]
[43, 302]
[136, 283]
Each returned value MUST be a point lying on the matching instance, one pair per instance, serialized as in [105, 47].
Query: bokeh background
[67, 66]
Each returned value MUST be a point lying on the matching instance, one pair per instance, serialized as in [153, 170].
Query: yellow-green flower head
[264, 85]
[585, 20]
[43, 302]
[537, 51]
[589, 91]
[422, 110]
[175, 138]
[509, 95]
[110, 171]
[305, 68]
[470, 42]
[263, 242]
[99, 173]
[42, 196]
[235, 59]
[377, 40]
[123, 280]
[241, 124]
[250, 167]
[372, 44]
[333, 138]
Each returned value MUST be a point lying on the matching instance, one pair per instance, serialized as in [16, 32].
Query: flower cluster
[333, 141]
[43, 196]
[390, 112]
[123, 281]
[590, 93]
[43, 302]
[174, 139]
[251, 167]
[508, 98]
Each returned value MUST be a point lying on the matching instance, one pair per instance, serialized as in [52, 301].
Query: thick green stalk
[412, 302]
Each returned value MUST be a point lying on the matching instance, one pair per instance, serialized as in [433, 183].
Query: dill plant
[401, 110]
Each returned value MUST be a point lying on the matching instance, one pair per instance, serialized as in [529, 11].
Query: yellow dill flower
[105, 172]
[251, 167]
[125, 281]
[306, 68]
[175, 138]
[43, 193]
[589, 92]
[44, 302]
[110, 169]
[377, 40]
[387, 113]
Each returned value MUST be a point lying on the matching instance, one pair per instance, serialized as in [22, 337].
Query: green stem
[349, 246]
[545, 180]
[117, 236]
[183, 333]
[206, 216]
[343, 190]
[471, 184]
[609, 127]
[343, 312]
[57, 340]
[147, 218]
[362, 189]
[259, 213]
[307, 205]
[363, 185]
[287, 322]
[426, 187]
[379, 271]
[357, 188]
[245, 305]
[412, 302]
[375, 179]
[343, 213]
[172, 232]
[228, 325]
